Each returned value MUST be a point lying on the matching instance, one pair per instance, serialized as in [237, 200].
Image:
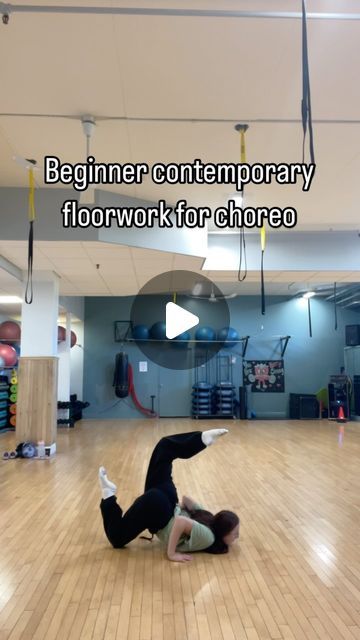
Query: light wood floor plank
[294, 574]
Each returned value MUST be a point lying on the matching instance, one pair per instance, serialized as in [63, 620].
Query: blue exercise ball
[182, 340]
[228, 334]
[158, 331]
[140, 332]
[205, 333]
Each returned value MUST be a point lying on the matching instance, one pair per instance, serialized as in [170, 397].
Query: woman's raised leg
[169, 448]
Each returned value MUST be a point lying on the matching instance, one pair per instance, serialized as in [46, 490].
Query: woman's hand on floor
[180, 557]
[181, 526]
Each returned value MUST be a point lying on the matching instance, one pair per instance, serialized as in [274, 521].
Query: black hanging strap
[306, 101]
[335, 307]
[29, 282]
[242, 271]
[309, 314]
[262, 285]
[31, 215]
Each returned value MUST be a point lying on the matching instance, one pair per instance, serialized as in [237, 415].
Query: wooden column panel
[37, 399]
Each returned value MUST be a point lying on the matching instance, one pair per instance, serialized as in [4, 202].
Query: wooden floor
[295, 572]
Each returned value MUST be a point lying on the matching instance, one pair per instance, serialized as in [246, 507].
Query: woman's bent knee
[117, 542]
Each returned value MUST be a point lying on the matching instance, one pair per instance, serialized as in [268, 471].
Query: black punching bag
[121, 375]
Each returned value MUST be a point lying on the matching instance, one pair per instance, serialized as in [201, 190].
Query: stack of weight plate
[4, 395]
[225, 399]
[203, 399]
[13, 398]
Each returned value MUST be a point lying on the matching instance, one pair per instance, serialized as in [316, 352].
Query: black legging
[155, 507]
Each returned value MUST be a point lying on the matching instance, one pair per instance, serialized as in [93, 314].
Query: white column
[38, 364]
[39, 319]
[64, 364]
[77, 361]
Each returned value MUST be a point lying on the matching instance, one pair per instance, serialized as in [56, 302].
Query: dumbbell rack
[70, 412]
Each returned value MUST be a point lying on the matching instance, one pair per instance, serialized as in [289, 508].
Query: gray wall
[308, 361]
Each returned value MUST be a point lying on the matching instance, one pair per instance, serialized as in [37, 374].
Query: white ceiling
[141, 67]
[101, 269]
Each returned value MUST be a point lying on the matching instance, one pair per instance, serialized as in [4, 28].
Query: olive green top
[201, 537]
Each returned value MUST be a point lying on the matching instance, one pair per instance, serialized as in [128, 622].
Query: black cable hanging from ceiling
[309, 316]
[335, 307]
[306, 100]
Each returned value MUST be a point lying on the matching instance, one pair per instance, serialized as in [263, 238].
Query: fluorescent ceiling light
[9, 299]
[308, 294]
[197, 289]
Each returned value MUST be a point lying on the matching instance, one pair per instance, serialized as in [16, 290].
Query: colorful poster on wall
[264, 376]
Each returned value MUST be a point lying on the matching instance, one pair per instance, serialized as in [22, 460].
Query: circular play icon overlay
[179, 320]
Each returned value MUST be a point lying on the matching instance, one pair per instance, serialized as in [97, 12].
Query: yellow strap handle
[242, 146]
[263, 238]
[243, 160]
[174, 297]
[31, 195]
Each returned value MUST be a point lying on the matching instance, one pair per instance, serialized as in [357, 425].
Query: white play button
[168, 344]
[178, 320]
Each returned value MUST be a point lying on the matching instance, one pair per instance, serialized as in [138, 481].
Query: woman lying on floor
[181, 528]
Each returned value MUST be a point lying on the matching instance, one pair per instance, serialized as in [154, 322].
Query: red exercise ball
[10, 330]
[73, 339]
[8, 354]
[61, 334]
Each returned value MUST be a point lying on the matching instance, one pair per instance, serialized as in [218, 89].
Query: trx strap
[242, 128]
[306, 102]
[263, 243]
[242, 144]
[335, 307]
[31, 214]
[242, 256]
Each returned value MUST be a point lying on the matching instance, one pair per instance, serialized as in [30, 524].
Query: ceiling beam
[11, 268]
[8, 9]
[191, 119]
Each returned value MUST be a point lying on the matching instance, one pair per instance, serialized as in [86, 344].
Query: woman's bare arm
[188, 503]
[181, 525]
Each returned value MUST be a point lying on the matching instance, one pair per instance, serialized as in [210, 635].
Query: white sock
[108, 488]
[209, 437]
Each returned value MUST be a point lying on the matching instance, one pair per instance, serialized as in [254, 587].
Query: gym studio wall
[308, 361]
